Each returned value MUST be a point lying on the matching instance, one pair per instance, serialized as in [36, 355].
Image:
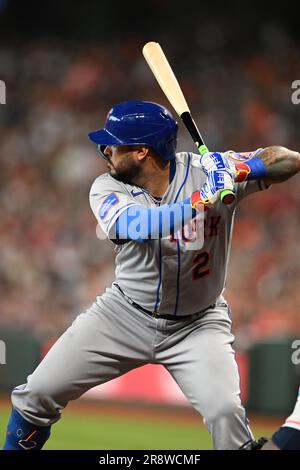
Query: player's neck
[156, 179]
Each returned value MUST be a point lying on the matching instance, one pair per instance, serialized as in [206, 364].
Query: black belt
[156, 315]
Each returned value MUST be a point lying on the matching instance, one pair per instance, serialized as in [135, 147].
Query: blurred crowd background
[64, 68]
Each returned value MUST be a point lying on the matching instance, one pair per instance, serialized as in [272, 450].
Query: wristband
[254, 169]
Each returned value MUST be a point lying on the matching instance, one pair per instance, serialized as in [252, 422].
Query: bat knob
[227, 196]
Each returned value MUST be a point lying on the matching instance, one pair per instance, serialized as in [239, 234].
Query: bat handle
[202, 148]
[227, 196]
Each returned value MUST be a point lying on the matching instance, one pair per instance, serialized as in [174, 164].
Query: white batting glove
[213, 161]
[216, 182]
[220, 172]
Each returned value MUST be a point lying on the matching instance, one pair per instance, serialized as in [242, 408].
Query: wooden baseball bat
[164, 75]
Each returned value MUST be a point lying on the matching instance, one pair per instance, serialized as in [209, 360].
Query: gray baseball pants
[113, 337]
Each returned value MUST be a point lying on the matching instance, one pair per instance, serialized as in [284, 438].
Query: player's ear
[142, 152]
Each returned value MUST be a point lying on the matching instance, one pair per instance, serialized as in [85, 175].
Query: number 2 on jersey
[201, 268]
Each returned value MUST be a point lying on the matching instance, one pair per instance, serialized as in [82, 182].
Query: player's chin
[123, 177]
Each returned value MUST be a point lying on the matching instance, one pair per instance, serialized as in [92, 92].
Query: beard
[129, 174]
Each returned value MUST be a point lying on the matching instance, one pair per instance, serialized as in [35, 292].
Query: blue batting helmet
[139, 123]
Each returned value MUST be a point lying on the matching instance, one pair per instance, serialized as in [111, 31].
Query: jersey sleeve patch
[239, 156]
[243, 156]
[107, 204]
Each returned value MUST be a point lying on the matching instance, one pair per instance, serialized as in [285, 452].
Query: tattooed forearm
[281, 163]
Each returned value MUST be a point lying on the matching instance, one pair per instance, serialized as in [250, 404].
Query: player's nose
[107, 151]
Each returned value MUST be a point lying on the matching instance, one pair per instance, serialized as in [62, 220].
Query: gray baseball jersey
[170, 276]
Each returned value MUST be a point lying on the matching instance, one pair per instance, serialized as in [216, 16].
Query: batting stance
[166, 305]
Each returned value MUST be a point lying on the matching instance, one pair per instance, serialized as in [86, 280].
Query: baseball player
[166, 305]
